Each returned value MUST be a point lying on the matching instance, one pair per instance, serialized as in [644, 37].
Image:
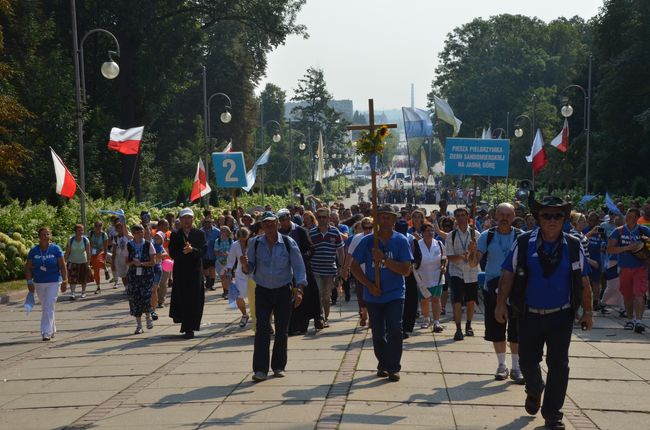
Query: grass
[6, 287]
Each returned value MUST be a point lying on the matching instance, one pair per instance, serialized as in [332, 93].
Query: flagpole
[408, 155]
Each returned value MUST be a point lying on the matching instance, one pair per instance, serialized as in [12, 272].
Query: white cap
[186, 211]
[283, 212]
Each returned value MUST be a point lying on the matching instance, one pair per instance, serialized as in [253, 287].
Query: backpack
[84, 238]
[285, 239]
[490, 236]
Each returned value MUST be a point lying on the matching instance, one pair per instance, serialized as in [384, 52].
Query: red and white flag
[65, 183]
[537, 153]
[561, 141]
[228, 147]
[126, 141]
[200, 186]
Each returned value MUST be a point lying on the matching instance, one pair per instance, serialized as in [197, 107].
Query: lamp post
[519, 132]
[276, 138]
[502, 132]
[109, 70]
[225, 118]
[567, 111]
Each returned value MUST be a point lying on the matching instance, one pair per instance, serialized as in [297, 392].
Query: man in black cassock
[187, 246]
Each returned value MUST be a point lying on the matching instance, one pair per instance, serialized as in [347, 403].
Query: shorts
[634, 281]
[495, 331]
[242, 287]
[157, 274]
[435, 291]
[461, 289]
[208, 263]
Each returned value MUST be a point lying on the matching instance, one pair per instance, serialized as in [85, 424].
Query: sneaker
[259, 376]
[326, 324]
[106, 276]
[161, 305]
[278, 373]
[318, 324]
[393, 376]
[149, 324]
[639, 328]
[46, 338]
[622, 313]
[533, 403]
[437, 328]
[425, 324]
[443, 312]
[604, 310]
[83, 295]
[459, 335]
[154, 316]
[502, 373]
[139, 330]
[517, 377]
[554, 424]
[382, 373]
[73, 297]
[629, 326]
[243, 321]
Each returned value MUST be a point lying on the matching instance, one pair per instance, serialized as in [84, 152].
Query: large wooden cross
[375, 228]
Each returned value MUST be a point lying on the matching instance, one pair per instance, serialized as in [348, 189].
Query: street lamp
[567, 111]
[501, 131]
[109, 70]
[519, 132]
[276, 138]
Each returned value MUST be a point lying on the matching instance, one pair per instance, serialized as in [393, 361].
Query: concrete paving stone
[473, 417]
[295, 379]
[57, 400]
[46, 363]
[22, 373]
[598, 368]
[6, 398]
[475, 363]
[579, 348]
[608, 335]
[610, 395]
[610, 420]
[475, 344]
[625, 349]
[413, 387]
[222, 357]
[298, 364]
[249, 390]
[256, 426]
[412, 361]
[638, 366]
[266, 413]
[24, 386]
[40, 418]
[199, 380]
[117, 370]
[373, 414]
[152, 416]
[71, 385]
[483, 390]
[122, 359]
[204, 394]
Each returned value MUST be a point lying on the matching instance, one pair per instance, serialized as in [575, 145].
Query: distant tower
[412, 96]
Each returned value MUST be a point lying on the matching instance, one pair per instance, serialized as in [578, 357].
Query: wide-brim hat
[387, 209]
[551, 202]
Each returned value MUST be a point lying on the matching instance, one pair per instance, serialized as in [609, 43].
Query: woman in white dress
[430, 264]
[237, 249]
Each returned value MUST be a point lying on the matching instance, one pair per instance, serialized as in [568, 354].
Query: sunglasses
[556, 216]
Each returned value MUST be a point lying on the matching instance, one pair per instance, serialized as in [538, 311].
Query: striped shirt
[323, 261]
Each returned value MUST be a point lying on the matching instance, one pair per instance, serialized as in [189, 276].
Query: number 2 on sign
[230, 164]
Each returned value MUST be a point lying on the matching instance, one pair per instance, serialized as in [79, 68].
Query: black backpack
[285, 239]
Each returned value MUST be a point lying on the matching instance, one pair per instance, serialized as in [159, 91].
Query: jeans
[47, 294]
[554, 330]
[386, 323]
[325, 285]
[278, 301]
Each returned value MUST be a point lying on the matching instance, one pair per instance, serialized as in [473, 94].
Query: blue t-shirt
[159, 250]
[210, 237]
[625, 237]
[497, 252]
[49, 260]
[392, 284]
[554, 291]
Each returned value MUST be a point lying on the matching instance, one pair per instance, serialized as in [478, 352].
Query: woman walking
[140, 260]
[98, 250]
[77, 255]
[45, 272]
[430, 262]
[237, 250]
[120, 253]
[221, 248]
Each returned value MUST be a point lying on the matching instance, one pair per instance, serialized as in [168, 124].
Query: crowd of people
[538, 271]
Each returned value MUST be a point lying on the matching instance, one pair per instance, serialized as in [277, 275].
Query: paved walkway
[98, 374]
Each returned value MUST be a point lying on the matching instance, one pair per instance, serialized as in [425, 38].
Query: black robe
[188, 294]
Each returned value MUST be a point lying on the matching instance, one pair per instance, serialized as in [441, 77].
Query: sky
[378, 48]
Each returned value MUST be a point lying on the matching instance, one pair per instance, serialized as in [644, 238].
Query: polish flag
[200, 186]
[537, 153]
[126, 141]
[228, 147]
[65, 183]
[561, 141]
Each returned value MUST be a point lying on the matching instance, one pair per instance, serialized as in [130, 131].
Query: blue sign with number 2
[229, 169]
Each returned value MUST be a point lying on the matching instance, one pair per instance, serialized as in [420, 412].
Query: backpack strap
[576, 271]
[285, 239]
[417, 255]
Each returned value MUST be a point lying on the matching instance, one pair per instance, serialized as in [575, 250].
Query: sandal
[363, 322]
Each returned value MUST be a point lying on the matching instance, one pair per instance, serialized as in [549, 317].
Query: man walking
[545, 277]
[275, 261]
[386, 304]
[633, 271]
[495, 244]
[212, 233]
[462, 254]
[328, 248]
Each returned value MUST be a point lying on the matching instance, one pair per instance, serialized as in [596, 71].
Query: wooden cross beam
[375, 229]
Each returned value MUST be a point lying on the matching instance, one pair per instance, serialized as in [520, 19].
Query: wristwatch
[383, 261]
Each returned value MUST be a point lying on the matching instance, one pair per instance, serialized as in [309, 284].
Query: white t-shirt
[353, 245]
[461, 269]
[233, 256]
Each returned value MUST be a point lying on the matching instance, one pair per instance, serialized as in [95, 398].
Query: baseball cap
[269, 216]
[186, 211]
[283, 212]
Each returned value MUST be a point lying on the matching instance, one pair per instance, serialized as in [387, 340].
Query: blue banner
[484, 157]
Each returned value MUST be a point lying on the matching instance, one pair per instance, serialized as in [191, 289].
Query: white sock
[501, 357]
[515, 361]
[436, 321]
